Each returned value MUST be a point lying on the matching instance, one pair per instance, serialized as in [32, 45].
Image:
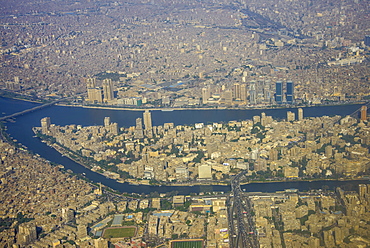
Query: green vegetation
[198, 158]
[7, 222]
[121, 232]
[104, 75]
[166, 204]
[187, 244]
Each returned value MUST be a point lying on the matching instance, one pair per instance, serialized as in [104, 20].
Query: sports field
[119, 232]
[187, 244]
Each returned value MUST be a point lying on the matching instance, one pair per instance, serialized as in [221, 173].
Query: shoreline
[137, 183]
[167, 109]
[65, 152]
[196, 183]
[205, 108]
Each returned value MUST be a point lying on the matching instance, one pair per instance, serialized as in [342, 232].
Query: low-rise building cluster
[297, 147]
[163, 55]
[315, 219]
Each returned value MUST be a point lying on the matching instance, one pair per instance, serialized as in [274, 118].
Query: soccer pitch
[187, 244]
[120, 232]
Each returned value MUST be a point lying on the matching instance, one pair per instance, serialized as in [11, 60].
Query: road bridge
[355, 114]
[242, 233]
[4, 118]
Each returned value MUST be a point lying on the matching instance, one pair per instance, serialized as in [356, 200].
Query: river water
[21, 130]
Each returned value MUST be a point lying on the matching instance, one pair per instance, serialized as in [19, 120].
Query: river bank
[210, 108]
[21, 130]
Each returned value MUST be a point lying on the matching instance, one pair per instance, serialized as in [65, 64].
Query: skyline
[148, 123]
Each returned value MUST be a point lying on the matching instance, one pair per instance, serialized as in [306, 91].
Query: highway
[242, 233]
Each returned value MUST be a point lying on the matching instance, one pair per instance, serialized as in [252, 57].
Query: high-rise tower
[108, 89]
[300, 114]
[206, 94]
[364, 113]
[45, 125]
[148, 123]
[139, 134]
[106, 121]
[236, 91]
[243, 93]
[279, 92]
[94, 94]
[289, 92]
[367, 40]
[252, 93]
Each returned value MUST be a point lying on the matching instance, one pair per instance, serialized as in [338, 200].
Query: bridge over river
[4, 118]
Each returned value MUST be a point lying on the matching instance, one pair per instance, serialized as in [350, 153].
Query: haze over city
[147, 62]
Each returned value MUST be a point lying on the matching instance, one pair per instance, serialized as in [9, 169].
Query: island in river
[295, 148]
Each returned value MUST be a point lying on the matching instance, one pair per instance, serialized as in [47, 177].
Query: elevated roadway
[4, 118]
[242, 233]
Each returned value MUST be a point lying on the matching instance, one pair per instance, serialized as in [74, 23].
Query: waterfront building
[267, 93]
[106, 122]
[108, 89]
[206, 94]
[148, 123]
[237, 91]
[252, 93]
[364, 113]
[362, 189]
[205, 172]
[139, 134]
[94, 93]
[45, 125]
[289, 95]
[279, 92]
[227, 97]
[243, 93]
[290, 116]
[12, 85]
[300, 114]
[90, 82]
[178, 200]
[156, 203]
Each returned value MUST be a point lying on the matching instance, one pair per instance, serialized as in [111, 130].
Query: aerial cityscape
[184, 124]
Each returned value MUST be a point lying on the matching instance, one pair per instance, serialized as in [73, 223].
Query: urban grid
[175, 55]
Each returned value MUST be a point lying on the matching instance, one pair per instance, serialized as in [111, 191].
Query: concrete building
[364, 113]
[94, 93]
[237, 91]
[300, 114]
[106, 122]
[139, 133]
[205, 172]
[289, 95]
[243, 93]
[279, 92]
[290, 116]
[178, 200]
[148, 123]
[26, 234]
[252, 93]
[45, 125]
[108, 90]
[206, 94]
[156, 203]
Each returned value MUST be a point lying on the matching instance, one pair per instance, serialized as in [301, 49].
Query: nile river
[21, 130]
